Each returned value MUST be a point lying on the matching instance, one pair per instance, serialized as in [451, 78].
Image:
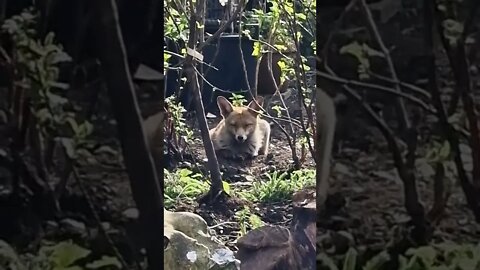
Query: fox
[153, 127]
[326, 122]
[241, 133]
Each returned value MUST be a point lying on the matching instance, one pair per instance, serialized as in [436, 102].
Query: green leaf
[43, 115]
[61, 57]
[301, 16]
[377, 262]
[56, 100]
[73, 124]
[467, 263]
[105, 261]
[84, 129]
[361, 53]
[256, 49]
[327, 261]
[69, 146]
[184, 172]
[226, 188]
[444, 151]
[426, 254]
[49, 38]
[255, 221]
[371, 52]
[9, 258]
[68, 268]
[353, 48]
[64, 254]
[350, 259]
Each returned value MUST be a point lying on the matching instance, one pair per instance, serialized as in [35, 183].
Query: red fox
[241, 133]
[153, 128]
[326, 121]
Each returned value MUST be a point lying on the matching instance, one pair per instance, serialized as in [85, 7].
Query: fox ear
[224, 105]
[256, 106]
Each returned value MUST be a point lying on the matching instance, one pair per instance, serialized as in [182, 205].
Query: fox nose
[241, 138]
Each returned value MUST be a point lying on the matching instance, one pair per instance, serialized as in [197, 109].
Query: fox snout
[241, 138]
[240, 135]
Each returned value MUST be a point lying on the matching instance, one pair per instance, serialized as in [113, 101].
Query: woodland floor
[373, 194]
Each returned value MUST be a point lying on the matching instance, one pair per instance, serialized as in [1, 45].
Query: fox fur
[325, 132]
[241, 133]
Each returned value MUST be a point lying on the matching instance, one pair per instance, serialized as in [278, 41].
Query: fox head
[240, 121]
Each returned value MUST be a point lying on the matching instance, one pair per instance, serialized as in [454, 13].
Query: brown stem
[449, 132]
[405, 122]
[440, 200]
[460, 67]
[216, 187]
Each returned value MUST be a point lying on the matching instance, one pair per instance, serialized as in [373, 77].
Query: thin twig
[376, 87]
[405, 122]
[415, 89]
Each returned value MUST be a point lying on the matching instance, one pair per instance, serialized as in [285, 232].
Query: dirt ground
[372, 198]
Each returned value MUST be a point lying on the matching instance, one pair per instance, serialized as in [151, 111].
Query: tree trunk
[143, 178]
